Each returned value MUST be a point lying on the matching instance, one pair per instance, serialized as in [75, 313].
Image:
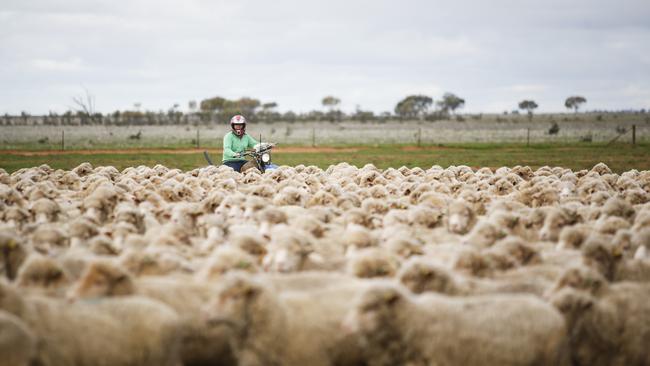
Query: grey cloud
[370, 53]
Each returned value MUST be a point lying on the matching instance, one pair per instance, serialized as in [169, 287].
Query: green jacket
[233, 144]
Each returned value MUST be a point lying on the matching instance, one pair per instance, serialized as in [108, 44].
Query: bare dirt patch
[426, 148]
[289, 149]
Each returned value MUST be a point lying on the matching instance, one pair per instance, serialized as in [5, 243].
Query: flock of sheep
[347, 266]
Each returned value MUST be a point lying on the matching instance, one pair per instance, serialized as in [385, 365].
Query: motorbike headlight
[266, 157]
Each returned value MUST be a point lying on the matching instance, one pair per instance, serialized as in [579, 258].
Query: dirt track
[293, 149]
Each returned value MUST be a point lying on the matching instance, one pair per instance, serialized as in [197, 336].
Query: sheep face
[581, 278]
[103, 279]
[10, 299]
[375, 312]
[43, 273]
[572, 304]
[601, 256]
[461, 218]
[241, 303]
[553, 224]
[12, 255]
[420, 277]
[378, 319]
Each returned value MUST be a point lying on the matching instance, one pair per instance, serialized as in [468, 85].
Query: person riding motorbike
[236, 142]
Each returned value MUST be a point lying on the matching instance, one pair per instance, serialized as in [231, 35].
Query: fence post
[313, 137]
[419, 136]
[633, 134]
[198, 145]
[62, 140]
[528, 137]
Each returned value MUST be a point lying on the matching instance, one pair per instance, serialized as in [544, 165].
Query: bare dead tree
[85, 104]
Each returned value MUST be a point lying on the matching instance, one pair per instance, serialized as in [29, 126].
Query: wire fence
[320, 134]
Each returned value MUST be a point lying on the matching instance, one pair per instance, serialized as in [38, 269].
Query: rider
[236, 142]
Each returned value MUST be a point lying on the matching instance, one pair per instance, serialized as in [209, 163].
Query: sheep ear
[586, 303]
[252, 291]
[392, 297]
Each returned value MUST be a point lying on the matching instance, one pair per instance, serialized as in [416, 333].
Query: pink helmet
[238, 120]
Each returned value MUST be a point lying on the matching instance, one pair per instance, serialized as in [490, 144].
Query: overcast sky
[369, 53]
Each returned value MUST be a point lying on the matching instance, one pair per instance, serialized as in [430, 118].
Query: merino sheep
[372, 262]
[13, 254]
[461, 217]
[199, 344]
[398, 329]
[17, 341]
[641, 241]
[611, 329]
[128, 331]
[421, 276]
[283, 329]
[608, 260]
[43, 274]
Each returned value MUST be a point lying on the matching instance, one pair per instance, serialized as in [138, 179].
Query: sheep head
[420, 276]
[12, 254]
[43, 273]
[103, 278]
[243, 304]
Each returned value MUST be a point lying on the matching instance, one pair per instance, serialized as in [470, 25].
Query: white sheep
[399, 329]
[128, 331]
[610, 329]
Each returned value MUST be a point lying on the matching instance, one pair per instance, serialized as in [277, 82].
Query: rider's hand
[237, 155]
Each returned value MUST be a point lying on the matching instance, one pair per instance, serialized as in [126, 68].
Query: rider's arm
[251, 141]
[228, 153]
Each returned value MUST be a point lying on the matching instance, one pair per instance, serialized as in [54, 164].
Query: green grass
[619, 157]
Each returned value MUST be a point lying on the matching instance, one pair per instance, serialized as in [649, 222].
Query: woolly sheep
[419, 275]
[17, 342]
[283, 329]
[611, 329]
[13, 252]
[128, 331]
[199, 344]
[461, 217]
[399, 329]
[224, 259]
[372, 262]
[607, 259]
[641, 240]
[43, 274]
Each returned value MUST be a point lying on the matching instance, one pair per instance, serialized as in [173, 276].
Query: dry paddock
[343, 266]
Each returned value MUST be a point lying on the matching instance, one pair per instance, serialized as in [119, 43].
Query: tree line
[219, 109]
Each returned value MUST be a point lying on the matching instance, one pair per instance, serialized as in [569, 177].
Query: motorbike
[259, 157]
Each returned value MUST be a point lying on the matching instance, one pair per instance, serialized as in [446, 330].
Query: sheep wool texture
[347, 265]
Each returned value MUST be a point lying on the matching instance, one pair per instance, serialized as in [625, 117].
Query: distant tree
[574, 102]
[224, 108]
[246, 106]
[212, 104]
[529, 106]
[450, 102]
[85, 107]
[413, 106]
[269, 106]
[331, 102]
[289, 116]
[268, 112]
[192, 105]
[363, 116]
[555, 128]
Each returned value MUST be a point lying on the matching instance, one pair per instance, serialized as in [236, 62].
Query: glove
[237, 155]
